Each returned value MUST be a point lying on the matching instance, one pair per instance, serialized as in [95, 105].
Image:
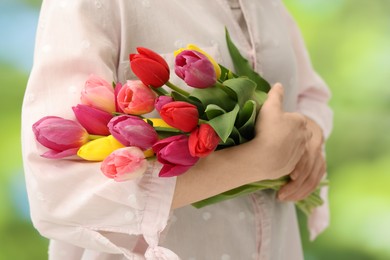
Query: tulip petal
[170, 170]
[52, 154]
[153, 55]
[150, 72]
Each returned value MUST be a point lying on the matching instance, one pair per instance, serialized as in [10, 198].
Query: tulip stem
[159, 91]
[94, 137]
[177, 89]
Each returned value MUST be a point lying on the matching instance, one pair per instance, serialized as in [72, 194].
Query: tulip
[174, 154]
[98, 149]
[124, 164]
[92, 119]
[195, 69]
[118, 87]
[99, 94]
[181, 115]
[136, 98]
[161, 101]
[202, 141]
[63, 137]
[149, 67]
[158, 122]
[133, 131]
[193, 47]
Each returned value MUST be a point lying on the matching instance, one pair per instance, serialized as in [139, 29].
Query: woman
[87, 216]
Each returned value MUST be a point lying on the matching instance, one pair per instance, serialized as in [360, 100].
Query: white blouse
[88, 216]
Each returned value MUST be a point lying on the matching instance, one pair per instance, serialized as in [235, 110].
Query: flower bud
[62, 136]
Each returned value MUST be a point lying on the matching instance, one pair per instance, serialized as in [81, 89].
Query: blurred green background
[349, 42]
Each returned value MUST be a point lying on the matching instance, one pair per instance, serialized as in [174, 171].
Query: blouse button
[30, 97]
[129, 215]
[40, 196]
[241, 215]
[206, 215]
[63, 4]
[179, 44]
[146, 3]
[46, 48]
[225, 257]
[72, 89]
[276, 42]
[98, 4]
[85, 44]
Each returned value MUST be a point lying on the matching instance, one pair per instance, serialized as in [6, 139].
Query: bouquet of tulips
[111, 124]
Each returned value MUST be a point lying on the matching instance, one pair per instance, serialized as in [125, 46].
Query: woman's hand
[284, 136]
[310, 169]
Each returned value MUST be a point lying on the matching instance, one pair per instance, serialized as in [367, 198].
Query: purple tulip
[174, 154]
[195, 69]
[161, 101]
[133, 131]
[92, 119]
[63, 137]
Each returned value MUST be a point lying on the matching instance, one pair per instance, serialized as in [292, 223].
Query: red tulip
[203, 141]
[175, 156]
[180, 115]
[149, 67]
[63, 137]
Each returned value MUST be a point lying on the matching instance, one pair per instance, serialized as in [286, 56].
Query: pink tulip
[63, 137]
[161, 101]
[195, 69]
[92, 119]
[124, 164]
[175, 156]
[133, 131]
[135, 98]
[99, 94]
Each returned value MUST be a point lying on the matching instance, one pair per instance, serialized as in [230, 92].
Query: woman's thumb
[275, 97]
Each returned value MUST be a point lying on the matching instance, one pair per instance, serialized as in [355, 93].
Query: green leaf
[243, 88]
[242, 66]
[260, 97]
[229, 142]
[242, 190]
[223, 124]
[179, 97]
[246, 119]
[213, 95]
[237, 136]
[213, 111]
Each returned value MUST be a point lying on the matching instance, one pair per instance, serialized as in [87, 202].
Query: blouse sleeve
[71, 200]
[314, 94]
[313, 99]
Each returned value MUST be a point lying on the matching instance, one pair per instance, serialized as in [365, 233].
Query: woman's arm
[278, 145]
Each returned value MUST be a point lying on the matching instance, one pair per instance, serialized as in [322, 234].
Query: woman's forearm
[221, 171]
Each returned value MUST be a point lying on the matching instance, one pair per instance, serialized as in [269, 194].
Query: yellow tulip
[99, 149]
[148, 153]
[211, 59]
[158, 122]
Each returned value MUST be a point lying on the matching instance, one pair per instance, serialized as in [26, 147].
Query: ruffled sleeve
[71, 200]
[313, 100]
